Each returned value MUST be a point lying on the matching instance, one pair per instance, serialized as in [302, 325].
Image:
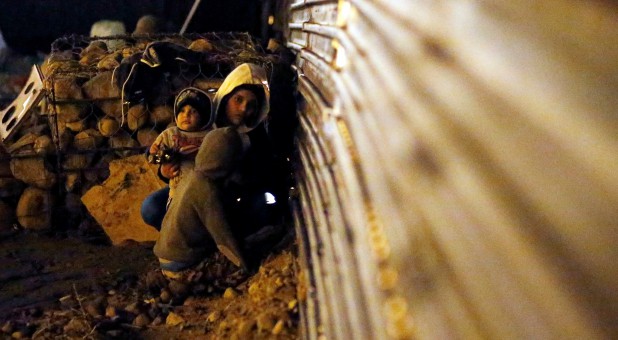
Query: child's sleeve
[163, 139]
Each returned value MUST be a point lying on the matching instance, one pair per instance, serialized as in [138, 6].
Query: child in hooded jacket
[192, 112]
[236, 153]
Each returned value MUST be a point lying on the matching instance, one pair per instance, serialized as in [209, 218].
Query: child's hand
[170, 170]
[154, 148]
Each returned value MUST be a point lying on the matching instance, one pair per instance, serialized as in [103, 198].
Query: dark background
[30, 26]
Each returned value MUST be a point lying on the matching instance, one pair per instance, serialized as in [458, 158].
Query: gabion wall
[105, 98]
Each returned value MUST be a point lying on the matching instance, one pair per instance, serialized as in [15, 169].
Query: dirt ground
[69, 285]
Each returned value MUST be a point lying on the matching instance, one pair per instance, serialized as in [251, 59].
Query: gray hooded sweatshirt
[244, 74]
[195, 223]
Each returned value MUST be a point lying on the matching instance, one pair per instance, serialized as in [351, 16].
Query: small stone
[201, 45]
[142, 320]
[165, 296]
[230, 293]
[117, 301]
[271, 289]
[111, 311]
[178, 289]
[214, 316]
[157, 321]
[173, 319]
[245, 329]
[77, 326]
[155, 281]
[93, 310]
[278, 327]
[154, 312]
[67, 301]
[133, 308]
[114, 333]
[17, 335]
[265, 322]
[191, 300]
[253, 289]
[8, 327]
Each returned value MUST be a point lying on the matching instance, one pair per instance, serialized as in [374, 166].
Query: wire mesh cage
[108, 98]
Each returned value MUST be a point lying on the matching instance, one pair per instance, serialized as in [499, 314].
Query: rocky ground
[67, 285]
[73, 284]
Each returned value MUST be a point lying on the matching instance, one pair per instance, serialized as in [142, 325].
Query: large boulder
[161, 115]
[44, 145]
[93, 53]
[110, 61]
[137, 116]
[71, 112]
[34, 209]
[106, 94]
[116, 203]
[33, 172]
[88, 140]
[123, 144]
[146, 136]
[24, 145]
[108, 126]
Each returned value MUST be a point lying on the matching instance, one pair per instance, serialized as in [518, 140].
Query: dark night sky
[32, 25]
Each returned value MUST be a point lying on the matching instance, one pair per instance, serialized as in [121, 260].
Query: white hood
[250, 74]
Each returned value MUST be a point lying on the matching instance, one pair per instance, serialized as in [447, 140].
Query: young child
[192, 111]
[197, 224]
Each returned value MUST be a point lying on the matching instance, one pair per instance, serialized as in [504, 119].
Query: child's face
[188, 118]
[241, 105]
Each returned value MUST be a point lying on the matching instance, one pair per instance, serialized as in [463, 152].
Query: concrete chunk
[116, 203]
